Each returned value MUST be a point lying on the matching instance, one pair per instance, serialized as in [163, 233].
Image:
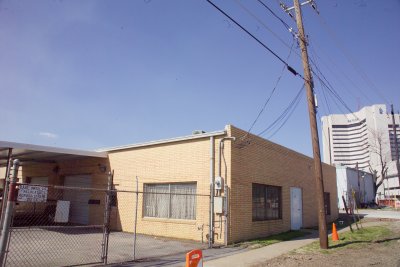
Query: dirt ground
[384, 252]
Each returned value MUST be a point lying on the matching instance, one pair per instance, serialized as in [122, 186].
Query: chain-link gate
[56, 226]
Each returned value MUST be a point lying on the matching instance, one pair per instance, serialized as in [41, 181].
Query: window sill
[166, 220]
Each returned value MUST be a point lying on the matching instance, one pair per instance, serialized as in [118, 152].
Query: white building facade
[360, 138]
[350, 180]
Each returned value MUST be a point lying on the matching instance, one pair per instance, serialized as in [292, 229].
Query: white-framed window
[171, 200]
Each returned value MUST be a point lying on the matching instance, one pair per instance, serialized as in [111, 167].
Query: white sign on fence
[32, 193]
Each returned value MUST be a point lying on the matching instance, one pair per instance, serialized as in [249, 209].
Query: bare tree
[379, 169]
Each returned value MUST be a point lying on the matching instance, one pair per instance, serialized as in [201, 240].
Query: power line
[323, 91]
[328, 86]
[338, 44]
[270, 96]
[320, 72]
[287, 117]
[292, 70]
[338, 68]
[276, 16]
[262, 23]
[284, 113]
[326, 100]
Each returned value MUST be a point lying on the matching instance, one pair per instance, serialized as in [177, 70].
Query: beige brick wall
[256, 160]
[185, 161]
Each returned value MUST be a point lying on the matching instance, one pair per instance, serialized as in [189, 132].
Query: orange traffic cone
[335, 236]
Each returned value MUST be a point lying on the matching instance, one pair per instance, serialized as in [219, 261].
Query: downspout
[212, 173]
[226, 188]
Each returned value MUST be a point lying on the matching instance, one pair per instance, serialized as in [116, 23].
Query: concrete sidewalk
[254, 256]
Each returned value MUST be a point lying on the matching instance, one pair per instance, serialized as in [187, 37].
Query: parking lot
[66, 246]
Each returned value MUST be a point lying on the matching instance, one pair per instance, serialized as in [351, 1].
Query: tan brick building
[271, 188]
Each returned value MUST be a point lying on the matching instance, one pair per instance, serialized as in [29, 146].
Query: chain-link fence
[56, 226]
[64, 226]
[150, 225]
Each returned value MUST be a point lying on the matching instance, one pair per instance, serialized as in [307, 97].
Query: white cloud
[48, 135]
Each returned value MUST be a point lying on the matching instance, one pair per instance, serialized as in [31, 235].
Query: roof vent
[198, 132]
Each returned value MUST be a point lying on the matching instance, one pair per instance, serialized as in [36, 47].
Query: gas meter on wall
[219, 183]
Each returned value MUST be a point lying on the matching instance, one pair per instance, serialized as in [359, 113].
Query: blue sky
[90, 74]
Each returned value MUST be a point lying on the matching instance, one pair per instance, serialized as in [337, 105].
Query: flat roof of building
[164, 141]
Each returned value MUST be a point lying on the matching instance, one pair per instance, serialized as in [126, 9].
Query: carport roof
[28, 153]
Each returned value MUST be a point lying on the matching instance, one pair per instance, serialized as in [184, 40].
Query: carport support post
[8, 213]
[5, 187]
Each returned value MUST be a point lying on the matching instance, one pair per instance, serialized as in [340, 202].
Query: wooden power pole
[396, 144]
[323, 235]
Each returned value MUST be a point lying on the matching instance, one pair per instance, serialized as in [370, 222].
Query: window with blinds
[173, 201]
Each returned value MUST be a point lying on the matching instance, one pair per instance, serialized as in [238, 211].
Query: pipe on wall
[212, 177]
[226, 188]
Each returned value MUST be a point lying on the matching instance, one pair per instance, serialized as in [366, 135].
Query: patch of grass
[266, 241]
[349, 239]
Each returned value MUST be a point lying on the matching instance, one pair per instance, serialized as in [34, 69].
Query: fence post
[107, 213]
[136, 211]
[8, 213]
[5, 187]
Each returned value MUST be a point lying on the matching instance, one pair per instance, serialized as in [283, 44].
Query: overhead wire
[283, 114]
[333, 92]
[279, 18]
[291, 69]
[354, 64]
[270, 95]
[324, 82]
[320, 73]
[263, 24]
[293, 108]
[328, 86]
[313, 49]
[325, 98]
[313, 63]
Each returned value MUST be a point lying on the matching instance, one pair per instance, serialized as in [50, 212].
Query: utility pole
[396, 145]
[319, 183]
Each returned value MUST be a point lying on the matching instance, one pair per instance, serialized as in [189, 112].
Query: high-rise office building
[358, 138]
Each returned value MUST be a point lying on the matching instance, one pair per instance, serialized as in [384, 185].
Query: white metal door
[79, 199]
[296, 208]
